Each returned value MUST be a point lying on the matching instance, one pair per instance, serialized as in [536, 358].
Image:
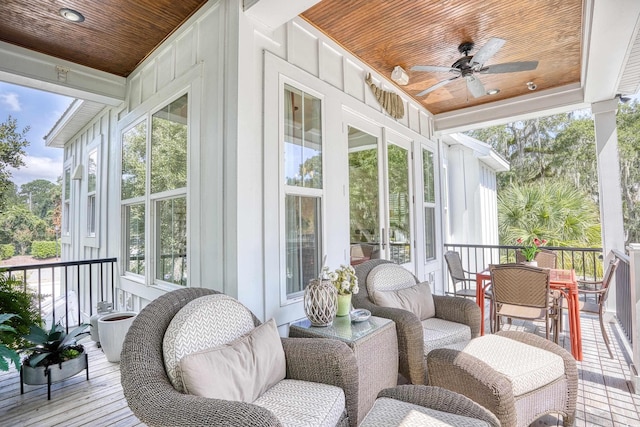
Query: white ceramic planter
[112, 328]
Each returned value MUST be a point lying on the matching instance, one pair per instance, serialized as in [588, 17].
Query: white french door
[380, 193]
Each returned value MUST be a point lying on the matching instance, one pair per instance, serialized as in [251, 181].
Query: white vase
[112, 329]
[530, 263]
[320, 302]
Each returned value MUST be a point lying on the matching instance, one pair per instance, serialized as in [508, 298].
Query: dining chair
[522, 292]
[600, 290]
[460, 275]
[545, 258]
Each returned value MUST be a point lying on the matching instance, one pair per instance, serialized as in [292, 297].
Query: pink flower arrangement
[530, 250]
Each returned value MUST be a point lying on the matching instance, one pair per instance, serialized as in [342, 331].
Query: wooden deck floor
[604, 395]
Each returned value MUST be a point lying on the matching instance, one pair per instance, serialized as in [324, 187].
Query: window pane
[302, 138]
[302, 228]
[399, 214]
[169, 147]
[92, 171]
[67, 183]
[91, 215]
[429, 189]
[364, 221]
[134, 239]
[172, 247]
[430, 233]
[134, 160]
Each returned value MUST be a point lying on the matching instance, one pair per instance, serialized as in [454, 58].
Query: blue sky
[40, 111]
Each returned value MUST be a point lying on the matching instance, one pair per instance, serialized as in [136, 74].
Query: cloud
[11, 100]
[37, 168]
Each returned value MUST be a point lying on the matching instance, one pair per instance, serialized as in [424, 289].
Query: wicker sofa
[154, 400]
[411, 339]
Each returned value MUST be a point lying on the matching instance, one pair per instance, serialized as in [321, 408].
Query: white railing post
[634, 290]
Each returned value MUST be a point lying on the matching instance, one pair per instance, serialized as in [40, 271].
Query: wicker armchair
[410, 332]
[154, 400]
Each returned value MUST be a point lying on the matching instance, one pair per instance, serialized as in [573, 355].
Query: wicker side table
[375, 346]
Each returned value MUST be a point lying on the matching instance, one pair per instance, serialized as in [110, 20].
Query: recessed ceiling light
[493, 91]
[71, 15]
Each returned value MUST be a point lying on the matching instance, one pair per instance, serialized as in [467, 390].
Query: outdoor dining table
[561, 280]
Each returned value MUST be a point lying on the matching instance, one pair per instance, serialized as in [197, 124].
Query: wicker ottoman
[516, 375]
[424, 406]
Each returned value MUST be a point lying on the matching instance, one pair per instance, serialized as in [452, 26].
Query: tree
[20, 227]
[556, 211]
[12, 144]
[39, 196]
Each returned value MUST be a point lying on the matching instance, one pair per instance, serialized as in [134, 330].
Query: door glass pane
[169, 147]
[172, 247]
[429, 233]
[399, 214]
[364, 221]
[134, 161]
[134, 238]
[302, 231]
[92, 171]
[302, 139]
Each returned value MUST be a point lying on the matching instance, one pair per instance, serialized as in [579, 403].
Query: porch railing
[624, 300]
[69, 291]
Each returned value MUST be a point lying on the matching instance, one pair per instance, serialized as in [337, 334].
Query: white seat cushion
[304, 404]
[205, 322]
[527, 367]
[388, 412]
[440, 333]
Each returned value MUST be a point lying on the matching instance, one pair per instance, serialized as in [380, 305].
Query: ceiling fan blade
[434, 69]
[475, 86]
[510, 67]
[489, 49]
[437, 86]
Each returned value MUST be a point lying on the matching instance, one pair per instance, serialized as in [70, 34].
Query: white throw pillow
[416, 299]
[241, 370]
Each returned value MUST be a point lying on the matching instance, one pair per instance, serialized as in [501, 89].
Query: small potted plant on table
[54, 356]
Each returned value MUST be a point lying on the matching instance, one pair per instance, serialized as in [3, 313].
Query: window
[66, 199]
[429, 205]
[92, 178]
[162, 205]
[302, 188]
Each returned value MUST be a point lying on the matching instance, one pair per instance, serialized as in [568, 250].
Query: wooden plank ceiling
[115, 36]
[386, 33]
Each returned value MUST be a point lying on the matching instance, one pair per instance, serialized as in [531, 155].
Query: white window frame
[67, 205]
[149, 200]
[92, 239]
[292, 190]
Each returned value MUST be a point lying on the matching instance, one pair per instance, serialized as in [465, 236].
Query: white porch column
[610, 192]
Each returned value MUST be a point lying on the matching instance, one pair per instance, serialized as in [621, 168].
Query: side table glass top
[343, 328]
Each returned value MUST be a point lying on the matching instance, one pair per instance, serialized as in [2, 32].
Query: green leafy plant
[7, 354]
[343, 278]
[55, 346]
[530, 250]
[44, 249]
[23, 303]
[7, 251]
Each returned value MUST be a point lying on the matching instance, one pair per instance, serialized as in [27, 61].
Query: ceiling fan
[468, 66]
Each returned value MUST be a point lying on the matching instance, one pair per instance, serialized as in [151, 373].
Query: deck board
[605, 395]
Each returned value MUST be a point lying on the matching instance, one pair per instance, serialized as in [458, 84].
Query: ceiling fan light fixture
[493, 91]
[532, 86]
[400, 76]
[71, 15]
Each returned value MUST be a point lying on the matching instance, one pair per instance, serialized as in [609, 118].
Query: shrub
[14, 299]
[42, 249]
[7, 251]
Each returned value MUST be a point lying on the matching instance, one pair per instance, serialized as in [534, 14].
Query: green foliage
[7, 251]
[53, 346]
[44, 249]
[7, 354]
[20, 227]
[12, 144]
[40, 197]
[556, 211]
[14, 299]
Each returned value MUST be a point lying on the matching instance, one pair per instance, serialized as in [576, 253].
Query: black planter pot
[41, 375]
